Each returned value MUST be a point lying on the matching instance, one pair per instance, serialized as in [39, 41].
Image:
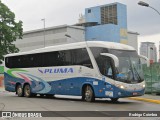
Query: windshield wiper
[137, 73]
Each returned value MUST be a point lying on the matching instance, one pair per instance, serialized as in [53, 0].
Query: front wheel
[89, 94]
[27, 91]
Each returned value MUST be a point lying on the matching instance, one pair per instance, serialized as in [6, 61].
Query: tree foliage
[10, 30]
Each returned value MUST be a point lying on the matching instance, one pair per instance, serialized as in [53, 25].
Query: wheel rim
[27, 91]
[88, 94]
[19, 90]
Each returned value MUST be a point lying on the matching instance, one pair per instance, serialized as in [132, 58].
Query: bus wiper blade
[137, 73]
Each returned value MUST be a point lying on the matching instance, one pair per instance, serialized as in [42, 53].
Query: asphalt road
[10, 102]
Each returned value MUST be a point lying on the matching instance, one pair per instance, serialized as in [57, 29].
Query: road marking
[145, 99]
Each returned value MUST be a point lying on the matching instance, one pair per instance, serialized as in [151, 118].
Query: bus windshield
[130, 68]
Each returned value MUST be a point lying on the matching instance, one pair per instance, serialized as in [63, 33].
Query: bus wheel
[49, 95]
[19, 91]
[34, 95]
[41, 95]
[27, 91]
[114, 99]
[89, 94]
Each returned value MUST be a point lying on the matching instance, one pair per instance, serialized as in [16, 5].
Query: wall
[53, 36]
[133, 39]
[103, 32]
[94, 15]
[77, 35]
[114, 32]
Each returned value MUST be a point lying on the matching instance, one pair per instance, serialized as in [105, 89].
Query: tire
[83, 96]
[19, 91]
[41, 95]
[27, 91]
[114, 99]
[34, 95]
[89, 94]
[49, 95]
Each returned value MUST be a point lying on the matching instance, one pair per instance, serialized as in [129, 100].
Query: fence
[152, 78]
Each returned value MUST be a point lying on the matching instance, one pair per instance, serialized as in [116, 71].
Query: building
[149, 50]
[108, 23]
[133, 39]
[105, 23]
[59, 35]
[53, 35]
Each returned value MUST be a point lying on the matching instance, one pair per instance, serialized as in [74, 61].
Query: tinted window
[56, 58]
[50, 59]
[75, 57]
[97, 50]
[103, 62]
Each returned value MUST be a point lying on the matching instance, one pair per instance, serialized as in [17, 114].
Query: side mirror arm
[115, 58]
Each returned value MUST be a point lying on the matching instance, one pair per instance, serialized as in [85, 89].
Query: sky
[140, 19]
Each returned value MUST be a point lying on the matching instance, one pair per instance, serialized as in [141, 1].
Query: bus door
[106, 68]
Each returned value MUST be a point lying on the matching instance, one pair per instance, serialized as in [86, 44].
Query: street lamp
[147, 5]
[44, 30]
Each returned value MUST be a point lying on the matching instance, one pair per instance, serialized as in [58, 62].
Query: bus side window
[8, 62]
[82, 58]
[67, 57]
[50, 59]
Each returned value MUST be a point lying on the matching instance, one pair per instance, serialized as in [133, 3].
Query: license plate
[135, 93]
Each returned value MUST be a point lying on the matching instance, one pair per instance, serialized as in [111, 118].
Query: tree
[10, 30]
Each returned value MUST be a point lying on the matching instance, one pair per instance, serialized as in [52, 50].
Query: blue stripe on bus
[70, 86]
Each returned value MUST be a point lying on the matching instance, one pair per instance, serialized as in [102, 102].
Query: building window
[89, 10]
[109, 14]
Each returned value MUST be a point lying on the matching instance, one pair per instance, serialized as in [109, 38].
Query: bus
[92, 69]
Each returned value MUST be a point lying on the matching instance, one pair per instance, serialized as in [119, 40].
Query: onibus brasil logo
[9, 115]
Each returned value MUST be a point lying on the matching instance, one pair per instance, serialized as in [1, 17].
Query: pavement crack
[45, 108]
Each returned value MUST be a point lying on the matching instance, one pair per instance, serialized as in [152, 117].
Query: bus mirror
[146, 59]
[115, 58]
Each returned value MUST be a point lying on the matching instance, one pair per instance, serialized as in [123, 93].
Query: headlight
[144, 86]
[122, 87]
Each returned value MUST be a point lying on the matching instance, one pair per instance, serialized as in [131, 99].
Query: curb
[145, 100]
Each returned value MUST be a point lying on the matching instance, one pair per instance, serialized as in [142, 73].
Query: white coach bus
[93, 69]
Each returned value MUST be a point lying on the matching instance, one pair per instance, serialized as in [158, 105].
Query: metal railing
[152, 78]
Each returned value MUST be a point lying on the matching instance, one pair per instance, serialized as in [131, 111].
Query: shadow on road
[98, 100]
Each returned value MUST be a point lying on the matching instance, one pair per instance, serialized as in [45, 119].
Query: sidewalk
[2, 89]
[148, 98]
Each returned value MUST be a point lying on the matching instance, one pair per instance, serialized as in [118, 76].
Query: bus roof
[110, 45]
